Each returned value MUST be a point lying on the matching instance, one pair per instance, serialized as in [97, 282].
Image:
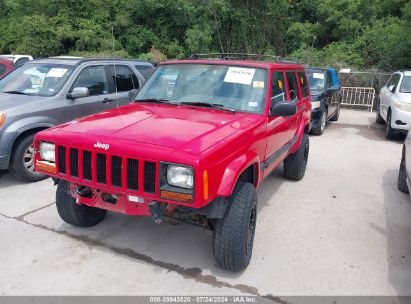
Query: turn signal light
[46, 166]
[205, 185]
[182, 197]
[2, 118]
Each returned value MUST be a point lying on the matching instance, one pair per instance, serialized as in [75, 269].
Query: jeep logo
[101, 146]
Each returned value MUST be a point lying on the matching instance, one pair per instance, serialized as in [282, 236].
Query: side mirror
[78, 92]
[391, 88]
[132, 94]
[283, 109]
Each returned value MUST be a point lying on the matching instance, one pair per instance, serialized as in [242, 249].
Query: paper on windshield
[239, 75]
[318, 75]
[56, 72]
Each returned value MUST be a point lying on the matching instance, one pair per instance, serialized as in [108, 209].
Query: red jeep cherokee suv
[196, 143]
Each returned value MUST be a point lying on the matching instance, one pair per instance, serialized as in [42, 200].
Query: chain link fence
[360, 90]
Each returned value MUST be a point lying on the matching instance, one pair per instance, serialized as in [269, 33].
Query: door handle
[107, 100]
[301, 108]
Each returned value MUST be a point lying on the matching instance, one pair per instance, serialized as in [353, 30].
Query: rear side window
[393, 81]
[292, 85]
[304, 84]
[278, 87]
[21, 61]
[93, 78]
[123, 78]
[145, 70]
[2, 68]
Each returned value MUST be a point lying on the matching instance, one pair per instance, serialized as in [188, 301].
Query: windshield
[233, 87]
[37, 79]
[406, 85]
[316, 79]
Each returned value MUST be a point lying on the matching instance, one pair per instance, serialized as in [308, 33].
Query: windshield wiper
[153, 100]
[207, 104]
[15, 92]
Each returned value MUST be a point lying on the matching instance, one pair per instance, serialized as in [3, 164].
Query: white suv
[395, 104]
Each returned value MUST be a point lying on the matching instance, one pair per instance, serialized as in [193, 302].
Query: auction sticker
[239, 75]
[318, 75]
[56, 72]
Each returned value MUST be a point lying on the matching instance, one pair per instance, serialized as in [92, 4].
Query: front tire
[402, 177]
[234, 234]
[390, 133]
[75, 214]
[22, 161]
[296, 163]
[319, 129]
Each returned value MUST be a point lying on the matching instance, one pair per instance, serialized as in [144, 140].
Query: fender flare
[234, 170]
[23, 129]
[304, 124]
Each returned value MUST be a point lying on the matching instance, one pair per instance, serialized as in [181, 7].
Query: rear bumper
[401, 120]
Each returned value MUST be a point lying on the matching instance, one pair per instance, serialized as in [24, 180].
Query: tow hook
[157, 211]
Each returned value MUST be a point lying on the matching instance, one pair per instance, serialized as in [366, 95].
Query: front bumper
[316, 116]
[400, 120]
[4, 162]
[5, 149]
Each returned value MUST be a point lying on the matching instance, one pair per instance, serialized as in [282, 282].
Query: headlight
[180, 176]
[315, 104]
[47, 151]
[404, 106]
[2, 118]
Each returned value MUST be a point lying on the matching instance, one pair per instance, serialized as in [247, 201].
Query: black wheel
[402, 176]
[22, 161]
[234, 234]
[296, 163]
[378, 117]
[336, 114]
[390, 133]
[319, 129]
[75, 214]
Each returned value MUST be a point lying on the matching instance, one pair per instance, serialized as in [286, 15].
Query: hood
[10, 101]
[186, 128]
[404, 97]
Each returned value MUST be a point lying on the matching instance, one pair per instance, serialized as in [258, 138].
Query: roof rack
[242, 56]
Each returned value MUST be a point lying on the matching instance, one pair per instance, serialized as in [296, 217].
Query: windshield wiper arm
[207, 104]
[153, 100]
[15, 92]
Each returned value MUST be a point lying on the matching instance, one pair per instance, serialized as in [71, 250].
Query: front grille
[74, 162]
[87, 165]
[101, 168]
[149, 177]
[132, 174]
[113, 170]
[116, 171]
[61, 155]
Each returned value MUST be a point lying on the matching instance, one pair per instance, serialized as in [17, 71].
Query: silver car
[47, 92]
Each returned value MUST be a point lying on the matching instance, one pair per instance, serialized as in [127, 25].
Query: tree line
[361, 34]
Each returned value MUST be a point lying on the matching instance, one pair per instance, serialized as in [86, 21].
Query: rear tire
[74, 214]
[234, 234]
[402, 177]
[296, 163]
[22, 161]
[390, 133]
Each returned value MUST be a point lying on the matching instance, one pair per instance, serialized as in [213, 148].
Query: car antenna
[114, 65]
